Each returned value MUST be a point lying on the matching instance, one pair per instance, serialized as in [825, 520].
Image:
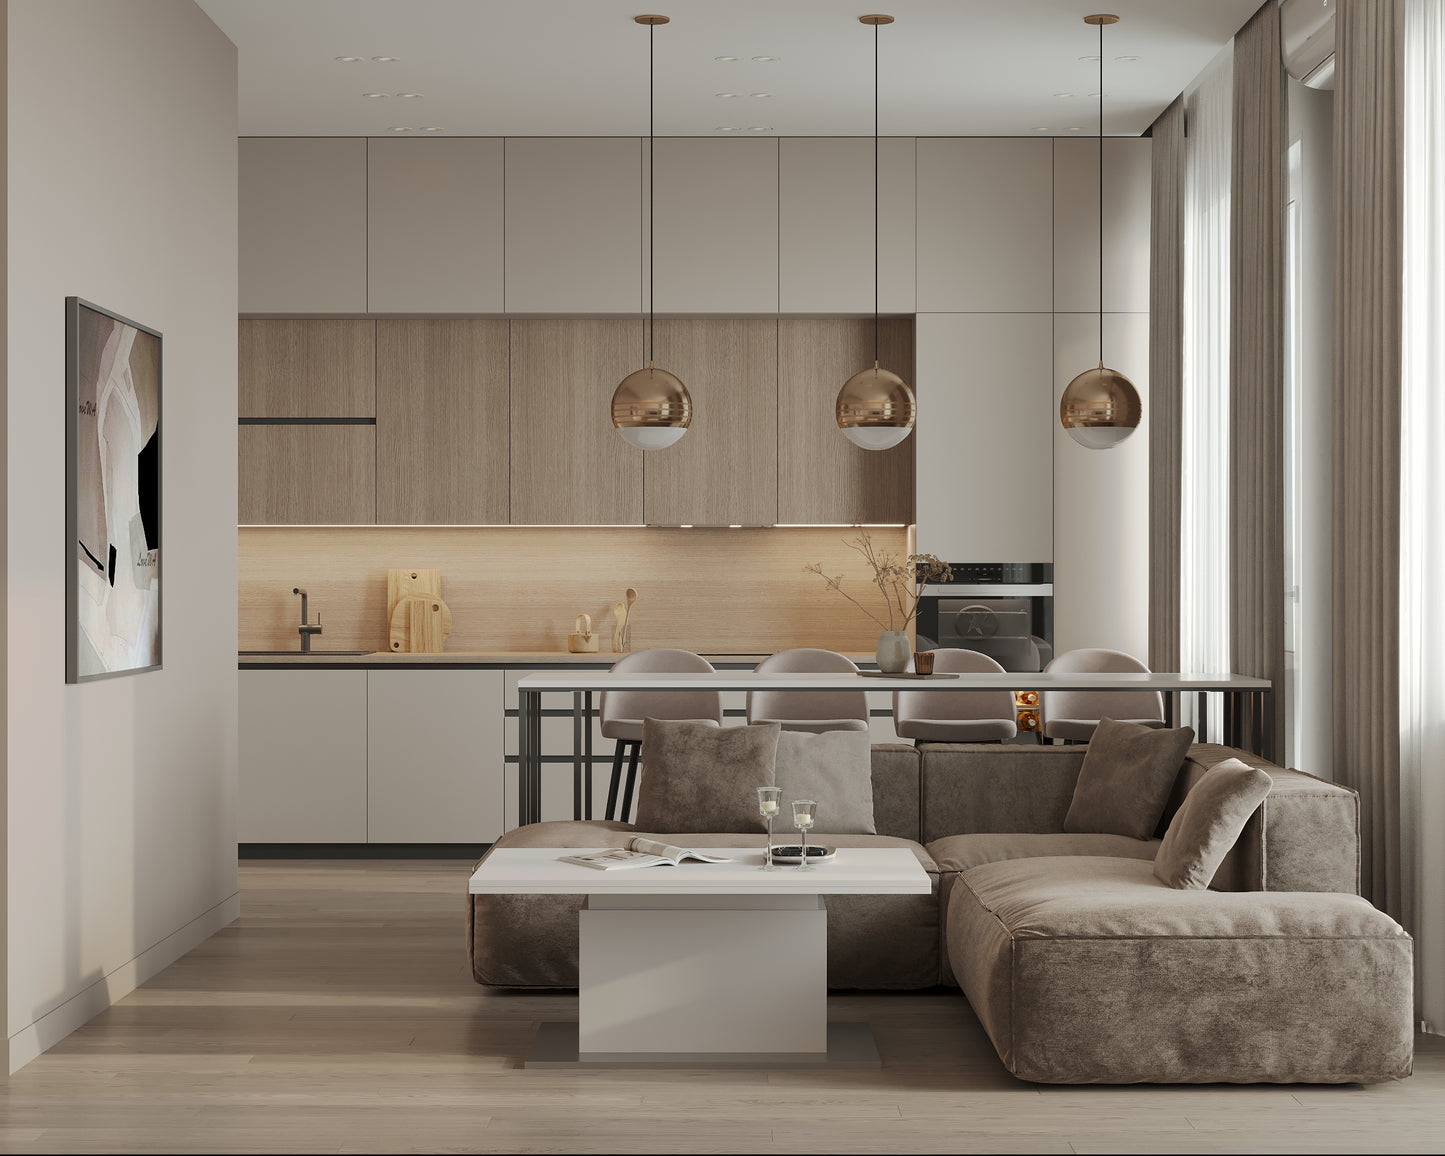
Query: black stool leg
[631, 781]
[615, 782]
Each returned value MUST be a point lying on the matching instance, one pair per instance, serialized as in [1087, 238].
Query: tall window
[1204, 490]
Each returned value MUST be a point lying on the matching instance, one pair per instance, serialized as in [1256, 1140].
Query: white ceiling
[579, 67]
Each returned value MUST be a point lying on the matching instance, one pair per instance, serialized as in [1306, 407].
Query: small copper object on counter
[923, 662]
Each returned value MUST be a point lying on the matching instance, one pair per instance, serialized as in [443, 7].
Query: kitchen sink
[302, 654]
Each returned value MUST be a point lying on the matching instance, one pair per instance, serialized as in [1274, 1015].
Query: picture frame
[113, 501]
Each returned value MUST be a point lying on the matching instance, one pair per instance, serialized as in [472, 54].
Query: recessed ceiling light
[766, 59]
[760, 95]
[726, 59]
[386, 59]
[347, 59]
[1075, 128]
[432, 128]
[726, 128]
[1089, 59]
[1064, 95]
[725, 95]
[760, 128]
[408, 96]
[376, 95]
[1124, 59]
[1096, 95]
[1042, 128]
[398, 128]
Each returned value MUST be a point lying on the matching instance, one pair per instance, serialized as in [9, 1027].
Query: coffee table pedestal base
[850, 1045]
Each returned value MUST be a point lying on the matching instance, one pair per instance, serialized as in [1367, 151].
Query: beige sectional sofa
[1081, 965]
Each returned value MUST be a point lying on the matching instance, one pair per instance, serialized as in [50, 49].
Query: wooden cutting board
[419, 625]
[400, 583]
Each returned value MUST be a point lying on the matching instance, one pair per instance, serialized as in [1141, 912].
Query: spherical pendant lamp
[651, 408]
[876, 409]
[1100, 407]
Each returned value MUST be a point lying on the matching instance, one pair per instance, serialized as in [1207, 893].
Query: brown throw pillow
[699, 777]
[1209, 823]
[836, 769]
[1124, 784]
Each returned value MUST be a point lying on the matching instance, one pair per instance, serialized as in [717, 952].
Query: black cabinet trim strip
[307, 420]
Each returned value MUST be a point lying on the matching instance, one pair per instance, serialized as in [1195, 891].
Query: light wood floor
[337, 1015]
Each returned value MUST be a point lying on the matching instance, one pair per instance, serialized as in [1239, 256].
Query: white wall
[121, 793]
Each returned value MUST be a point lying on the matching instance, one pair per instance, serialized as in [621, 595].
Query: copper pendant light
[651, 408]
[1100, 407]
[875, 408]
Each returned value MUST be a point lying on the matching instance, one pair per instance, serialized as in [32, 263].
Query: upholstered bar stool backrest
[622, 711]
[958, 706]
[1062, 707]
[812, 710]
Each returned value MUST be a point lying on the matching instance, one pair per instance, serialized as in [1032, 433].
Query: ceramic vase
[893, 652]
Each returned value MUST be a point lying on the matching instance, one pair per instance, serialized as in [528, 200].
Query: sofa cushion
[897, 780]
[958, 853]
[874, 941]
[1002, 787]
[834, 768]
[1207, 826]
[1125, 781]
[697, 777]
[1090, 970]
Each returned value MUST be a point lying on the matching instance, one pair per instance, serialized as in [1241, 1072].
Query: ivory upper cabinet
[574, 225]
[302, 228]
[716, 225]
[1126, 225]
[985, 225]
[825, 235]
[434, 212]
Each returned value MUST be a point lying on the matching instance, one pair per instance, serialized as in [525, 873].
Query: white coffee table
[706, 964]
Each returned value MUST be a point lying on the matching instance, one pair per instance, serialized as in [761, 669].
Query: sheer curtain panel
[1204, 409]
[1422, 500]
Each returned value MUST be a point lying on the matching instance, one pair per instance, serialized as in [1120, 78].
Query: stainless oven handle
[945, 590]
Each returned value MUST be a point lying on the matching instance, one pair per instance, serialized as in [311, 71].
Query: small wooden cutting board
[419, 625]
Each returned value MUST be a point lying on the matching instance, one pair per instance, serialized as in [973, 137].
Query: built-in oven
[1002, 609]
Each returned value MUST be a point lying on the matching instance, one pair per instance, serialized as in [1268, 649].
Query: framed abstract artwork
[113, 494]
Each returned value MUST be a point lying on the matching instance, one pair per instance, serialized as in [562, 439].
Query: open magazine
[640, 852]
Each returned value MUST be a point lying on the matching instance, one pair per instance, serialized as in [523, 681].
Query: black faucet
[305, 630]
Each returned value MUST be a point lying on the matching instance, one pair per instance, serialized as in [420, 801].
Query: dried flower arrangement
[900, 579]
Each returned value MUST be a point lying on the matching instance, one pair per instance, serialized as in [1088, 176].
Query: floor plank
[338, 1015]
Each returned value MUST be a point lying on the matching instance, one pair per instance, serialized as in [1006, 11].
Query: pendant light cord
[875, 196]
[651, 190]
[1101, 196]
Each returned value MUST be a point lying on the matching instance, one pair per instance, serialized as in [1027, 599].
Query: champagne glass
[804, 811]
[769, 799]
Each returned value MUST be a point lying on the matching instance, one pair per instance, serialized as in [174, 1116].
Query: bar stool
[809, 710]
[622, 712]
[1073, 715]
[964, 716]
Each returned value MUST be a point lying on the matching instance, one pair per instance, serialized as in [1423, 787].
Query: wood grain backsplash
[516, 588]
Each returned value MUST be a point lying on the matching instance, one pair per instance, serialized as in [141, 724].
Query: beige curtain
[1166, 374]
[1258, 193]
[1368, 206]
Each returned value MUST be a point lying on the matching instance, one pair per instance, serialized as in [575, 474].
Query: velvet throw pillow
[1124, 784]
[835, 768]
[1209, 823]
[700, 777]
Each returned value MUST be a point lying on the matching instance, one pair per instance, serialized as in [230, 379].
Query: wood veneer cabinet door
[434, 212]
[725, 471]
[309, 475]
[302, 226]
[574, 225]
[569, 466]
[822, 476]
[307, 368]
[442, 422]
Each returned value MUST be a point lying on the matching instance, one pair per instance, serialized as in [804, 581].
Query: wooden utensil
[400, 583]
[620, 613]
[627, 614]
[419, 625]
